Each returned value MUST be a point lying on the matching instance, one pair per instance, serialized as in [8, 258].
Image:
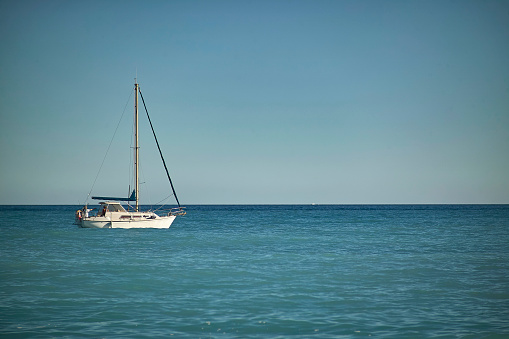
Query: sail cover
[131, 198]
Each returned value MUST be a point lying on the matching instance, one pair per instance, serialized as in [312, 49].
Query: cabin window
[116, 208]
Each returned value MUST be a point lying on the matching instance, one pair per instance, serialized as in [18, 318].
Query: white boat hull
[107, 222]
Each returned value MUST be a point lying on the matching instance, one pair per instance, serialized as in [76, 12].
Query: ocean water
[389, 271]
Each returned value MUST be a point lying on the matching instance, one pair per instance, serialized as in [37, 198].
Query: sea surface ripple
[271, 271]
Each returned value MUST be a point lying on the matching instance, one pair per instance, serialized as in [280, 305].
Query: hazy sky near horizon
[339, 102]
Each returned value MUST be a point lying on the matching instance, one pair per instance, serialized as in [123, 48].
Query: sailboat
[112, 214]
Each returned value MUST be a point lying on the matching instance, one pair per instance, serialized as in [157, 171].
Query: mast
[136, 148]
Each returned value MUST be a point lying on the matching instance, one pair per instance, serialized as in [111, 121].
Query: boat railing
[177, 211]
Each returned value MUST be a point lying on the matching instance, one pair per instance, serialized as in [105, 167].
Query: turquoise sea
[332, 271]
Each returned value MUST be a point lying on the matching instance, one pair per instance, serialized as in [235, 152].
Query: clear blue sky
[337, 102]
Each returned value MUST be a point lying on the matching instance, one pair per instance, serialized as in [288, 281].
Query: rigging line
[162, 205]
[159, 148]
[109, 146]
